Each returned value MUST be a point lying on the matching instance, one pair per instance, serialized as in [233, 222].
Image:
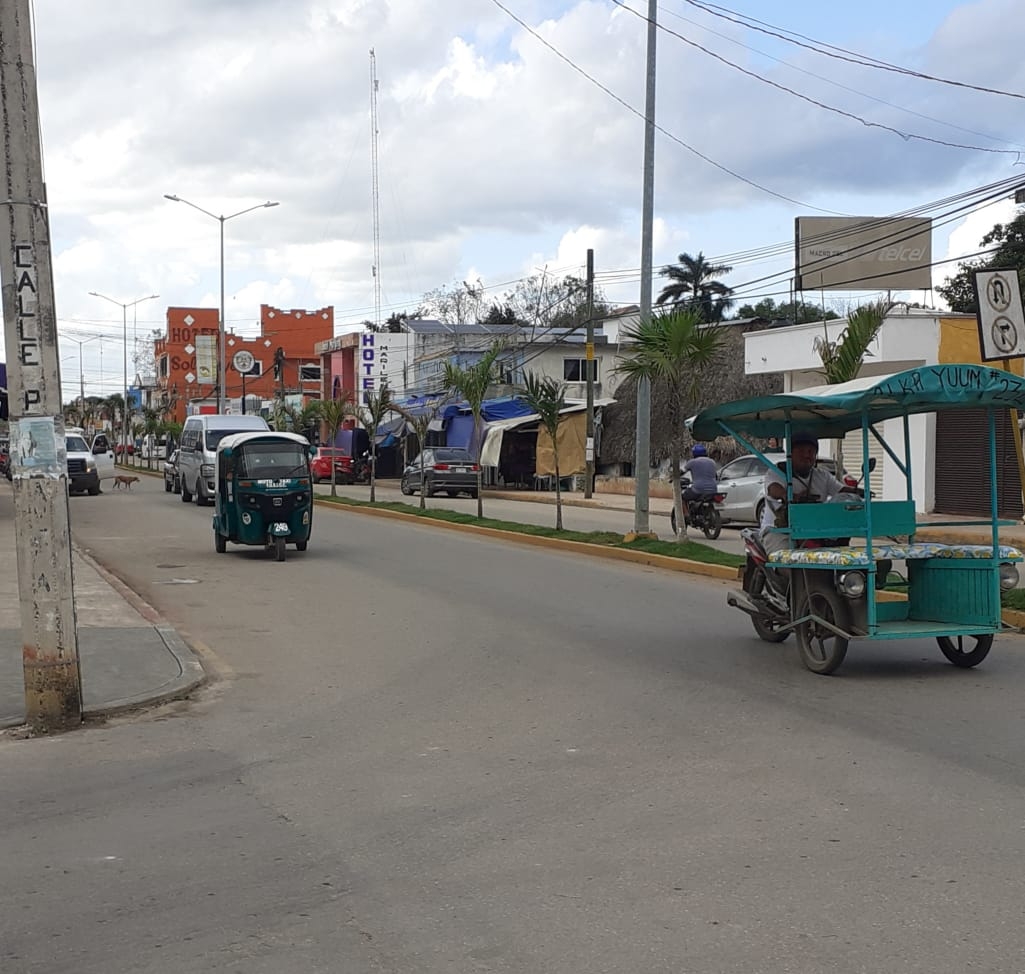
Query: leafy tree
[798, 312]
[333, 412]
[547, 397]
[959, 290]
[544, 302]
[457, 303]
[500, 314]
[472, 384]
[372, 415]
[675, 348]
[695, 285]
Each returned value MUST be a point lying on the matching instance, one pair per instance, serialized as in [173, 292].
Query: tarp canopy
[834, 410]
[492, 449]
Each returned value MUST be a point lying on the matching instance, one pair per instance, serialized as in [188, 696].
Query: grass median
[689, 550]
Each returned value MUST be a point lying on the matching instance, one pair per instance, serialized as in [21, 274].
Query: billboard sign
[863, 253]
[206, 359]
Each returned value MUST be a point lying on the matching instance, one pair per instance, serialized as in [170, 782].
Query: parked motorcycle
[702, 513]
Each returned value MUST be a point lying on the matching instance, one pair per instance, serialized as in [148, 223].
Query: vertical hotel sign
[206, 359]
[373, 366]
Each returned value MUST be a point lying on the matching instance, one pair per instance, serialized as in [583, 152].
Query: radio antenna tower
[376, 191]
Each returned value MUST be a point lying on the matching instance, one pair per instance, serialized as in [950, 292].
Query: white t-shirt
[819, 483]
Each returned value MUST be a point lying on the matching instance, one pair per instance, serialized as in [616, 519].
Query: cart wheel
[220, 543]
[301, 545]
[279, 548]
[821, 649]
[965, 651]
[713, 526]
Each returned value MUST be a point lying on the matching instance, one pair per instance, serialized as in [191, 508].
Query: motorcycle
[702, 513]
[361, 469]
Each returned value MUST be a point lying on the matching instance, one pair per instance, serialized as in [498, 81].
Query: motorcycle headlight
[851, 584]
[1009, 576]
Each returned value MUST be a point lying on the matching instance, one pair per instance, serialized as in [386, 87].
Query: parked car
[446, 470]
[322, 461]
[171, 482]
[87, 465]
[742, 481]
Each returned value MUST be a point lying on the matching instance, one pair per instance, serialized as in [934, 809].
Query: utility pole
[53, 683]
[589, 359]
[642, 449]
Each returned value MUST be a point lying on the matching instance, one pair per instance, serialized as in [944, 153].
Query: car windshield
[272, 461]
[75, 444]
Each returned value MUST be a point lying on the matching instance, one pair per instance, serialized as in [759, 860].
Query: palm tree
[842, 359]
[372, 415]
[334, 412]
[472, 384]
[672, 348]
[694, 285]
[547, 397]
[421, 424]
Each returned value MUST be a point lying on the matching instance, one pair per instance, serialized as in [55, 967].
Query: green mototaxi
[264, 493]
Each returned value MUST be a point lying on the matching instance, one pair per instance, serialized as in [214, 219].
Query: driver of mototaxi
[810, 483]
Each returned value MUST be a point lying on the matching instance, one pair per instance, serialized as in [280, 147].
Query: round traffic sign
[1005, 335]
[243, 361]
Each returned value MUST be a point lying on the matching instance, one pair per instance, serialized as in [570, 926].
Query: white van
[197, 452]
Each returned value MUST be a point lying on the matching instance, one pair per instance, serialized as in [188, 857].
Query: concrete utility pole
[589, 359]
[642, 449]
[53, 684]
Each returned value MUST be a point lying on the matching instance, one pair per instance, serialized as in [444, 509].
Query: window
[575, 369]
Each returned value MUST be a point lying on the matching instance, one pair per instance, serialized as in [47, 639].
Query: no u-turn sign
[1000, 316]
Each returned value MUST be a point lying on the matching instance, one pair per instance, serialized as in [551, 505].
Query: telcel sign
[863, 253]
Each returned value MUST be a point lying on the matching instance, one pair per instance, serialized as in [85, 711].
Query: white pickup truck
[88, 464]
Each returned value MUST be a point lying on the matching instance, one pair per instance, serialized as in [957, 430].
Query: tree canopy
[797, 312]
[694, 285]
[959, 290]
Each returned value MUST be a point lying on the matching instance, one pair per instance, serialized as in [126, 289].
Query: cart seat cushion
[852, 556]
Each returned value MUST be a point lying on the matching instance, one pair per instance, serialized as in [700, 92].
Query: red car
[321, 463]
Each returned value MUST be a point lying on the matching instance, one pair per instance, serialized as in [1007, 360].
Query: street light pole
[222, 365]
[81, 370]
[124, 305]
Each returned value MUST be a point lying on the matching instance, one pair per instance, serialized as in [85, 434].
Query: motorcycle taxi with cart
[828, 586]
[264, 492]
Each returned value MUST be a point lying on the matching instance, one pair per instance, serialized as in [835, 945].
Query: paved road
[436, 752]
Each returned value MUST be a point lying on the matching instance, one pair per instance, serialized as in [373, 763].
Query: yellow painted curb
[580, 547]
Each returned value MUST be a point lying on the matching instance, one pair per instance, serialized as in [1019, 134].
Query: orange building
[294, 333]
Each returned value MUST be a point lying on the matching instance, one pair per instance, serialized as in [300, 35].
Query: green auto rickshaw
[264, 492]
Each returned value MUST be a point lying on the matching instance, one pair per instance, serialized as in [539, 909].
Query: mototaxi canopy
[832, 410]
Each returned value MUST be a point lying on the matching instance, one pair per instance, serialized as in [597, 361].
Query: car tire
[202, 500]
[428, 488]
[185, 495]
[93, 491]
[301, 545]
[405, 488]
[168, 486]
[759, 510]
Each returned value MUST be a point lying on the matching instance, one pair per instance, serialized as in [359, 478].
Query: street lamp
[124, 306]
[222, 367]
[81, 372]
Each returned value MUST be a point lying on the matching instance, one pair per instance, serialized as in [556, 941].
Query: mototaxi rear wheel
[965, 651]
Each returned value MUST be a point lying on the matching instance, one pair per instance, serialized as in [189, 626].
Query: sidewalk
[125, 658]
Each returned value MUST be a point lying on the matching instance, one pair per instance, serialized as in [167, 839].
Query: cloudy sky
[510, 141]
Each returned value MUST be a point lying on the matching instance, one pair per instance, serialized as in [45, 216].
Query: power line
[664, 131]
[814, 101]
[842, 54]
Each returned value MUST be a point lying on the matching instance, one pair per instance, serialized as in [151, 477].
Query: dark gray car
[446, 470]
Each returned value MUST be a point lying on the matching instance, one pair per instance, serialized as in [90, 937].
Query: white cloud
[496, 156]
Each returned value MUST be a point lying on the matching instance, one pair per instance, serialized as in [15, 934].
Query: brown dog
[124, 480]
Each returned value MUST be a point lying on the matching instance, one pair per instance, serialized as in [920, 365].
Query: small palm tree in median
[334, 412]
[547, 397]
[672, 348]
[372, 415]
[472, 384]
[420, 422]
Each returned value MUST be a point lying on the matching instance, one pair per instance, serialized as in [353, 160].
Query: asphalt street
[433, 751]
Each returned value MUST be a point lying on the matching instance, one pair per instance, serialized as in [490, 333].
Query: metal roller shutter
[962, 464]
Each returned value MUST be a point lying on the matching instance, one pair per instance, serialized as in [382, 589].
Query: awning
[492, 448]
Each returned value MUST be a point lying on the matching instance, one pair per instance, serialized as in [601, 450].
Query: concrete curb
[191, 674]
[577, 547]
